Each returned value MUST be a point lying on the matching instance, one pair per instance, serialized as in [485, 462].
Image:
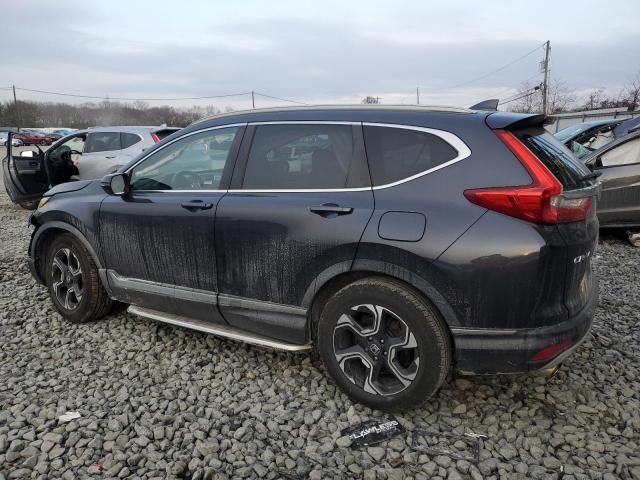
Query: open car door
[24, 177]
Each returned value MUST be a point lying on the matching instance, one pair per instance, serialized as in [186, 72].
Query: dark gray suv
[395, 242]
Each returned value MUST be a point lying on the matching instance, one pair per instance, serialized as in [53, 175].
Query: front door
[158, 240]
[23, 175]
[620, 177]
[299, 203]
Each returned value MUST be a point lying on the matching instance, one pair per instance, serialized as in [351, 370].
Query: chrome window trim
[463, 152]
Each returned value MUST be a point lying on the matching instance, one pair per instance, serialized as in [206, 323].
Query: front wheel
[383, 344]
[73, 282]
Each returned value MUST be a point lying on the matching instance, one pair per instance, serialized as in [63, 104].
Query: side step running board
[215, 329]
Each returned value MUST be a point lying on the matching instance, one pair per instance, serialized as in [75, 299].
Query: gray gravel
[164, 402]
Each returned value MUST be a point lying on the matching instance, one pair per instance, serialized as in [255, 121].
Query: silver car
[99, 151]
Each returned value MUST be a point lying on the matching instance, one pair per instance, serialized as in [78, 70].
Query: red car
[31, 138]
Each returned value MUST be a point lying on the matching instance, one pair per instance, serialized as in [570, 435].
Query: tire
[411, 354]
[43, 143]
[70, 267]
[32, 205]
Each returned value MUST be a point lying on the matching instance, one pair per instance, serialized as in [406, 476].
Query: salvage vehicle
[618, 167]
[84, 155]
[395, 242]
[28, 137]
[587, 137]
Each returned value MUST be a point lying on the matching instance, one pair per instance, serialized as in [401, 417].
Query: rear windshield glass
[569, 170]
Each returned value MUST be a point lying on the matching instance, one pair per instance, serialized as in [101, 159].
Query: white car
[99, 151]
[4, 136]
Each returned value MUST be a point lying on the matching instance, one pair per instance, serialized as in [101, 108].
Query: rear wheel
[73, 282]
[383, 344]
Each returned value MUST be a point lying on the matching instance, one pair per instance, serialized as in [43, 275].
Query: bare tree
[529, 98]
[560, 97]
[632, 93]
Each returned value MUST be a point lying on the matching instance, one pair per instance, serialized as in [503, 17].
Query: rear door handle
[197, 205]
[112, 156]
[330, 208]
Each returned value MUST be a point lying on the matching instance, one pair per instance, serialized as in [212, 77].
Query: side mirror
[116, 184]
[27, 153]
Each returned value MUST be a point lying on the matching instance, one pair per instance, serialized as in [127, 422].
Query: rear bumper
[490, 351]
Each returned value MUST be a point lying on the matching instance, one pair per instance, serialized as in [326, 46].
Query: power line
[132, 99]
[523, 81]
[492, 72]
[520, 95]
[283, 99]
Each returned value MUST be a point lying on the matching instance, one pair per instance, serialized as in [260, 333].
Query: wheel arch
[327, 284]
[43, 237]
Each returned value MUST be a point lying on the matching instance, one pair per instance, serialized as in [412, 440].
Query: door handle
[329, 209]
[110, 157]
[197, 205]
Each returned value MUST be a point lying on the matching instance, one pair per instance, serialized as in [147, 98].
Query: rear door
[23, 176]
[619, 167]
[101, 154]
[580, 237]
[299, 203]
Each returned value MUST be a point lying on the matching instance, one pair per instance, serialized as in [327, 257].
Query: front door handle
[196, 205]
[330, 209]
[110, 157]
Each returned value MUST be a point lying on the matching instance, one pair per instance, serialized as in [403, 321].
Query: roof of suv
[339, 108]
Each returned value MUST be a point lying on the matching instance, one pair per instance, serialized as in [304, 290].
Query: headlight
[43, 201]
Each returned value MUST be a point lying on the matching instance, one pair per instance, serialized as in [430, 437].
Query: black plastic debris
[372, 432]
[458, 447]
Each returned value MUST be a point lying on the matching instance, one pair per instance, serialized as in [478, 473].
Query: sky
[312, 52]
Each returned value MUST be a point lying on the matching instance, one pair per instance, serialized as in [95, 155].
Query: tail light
[550, 351]
[541, 201]
[155, 137]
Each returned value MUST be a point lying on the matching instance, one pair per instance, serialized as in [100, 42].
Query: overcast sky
[316, 52]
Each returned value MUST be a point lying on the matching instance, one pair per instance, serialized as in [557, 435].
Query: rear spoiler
[487, 105]
[516, 121]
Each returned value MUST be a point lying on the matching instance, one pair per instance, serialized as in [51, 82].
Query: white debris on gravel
[162, 402]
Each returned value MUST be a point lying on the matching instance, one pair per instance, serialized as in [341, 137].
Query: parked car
[83, 155]
[49, 138]
[28, 137]
[63, 132]
[14, 141]
[618, 167]
[396, 242]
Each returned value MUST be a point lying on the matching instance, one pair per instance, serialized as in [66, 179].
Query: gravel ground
[163, 402]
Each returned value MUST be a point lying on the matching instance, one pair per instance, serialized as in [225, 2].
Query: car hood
[68, 187]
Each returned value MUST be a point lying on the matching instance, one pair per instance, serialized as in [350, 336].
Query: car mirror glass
[116, 184]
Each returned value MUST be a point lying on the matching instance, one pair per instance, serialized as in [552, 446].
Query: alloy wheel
[67, 278]
[375, 349]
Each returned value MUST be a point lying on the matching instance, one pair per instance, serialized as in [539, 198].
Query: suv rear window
[398, 153]
[569, 170]
[128, 139]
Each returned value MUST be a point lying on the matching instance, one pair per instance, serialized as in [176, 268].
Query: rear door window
[102, 142]
[129, 139]
[568, 169]
[398, 153]
[304, 157]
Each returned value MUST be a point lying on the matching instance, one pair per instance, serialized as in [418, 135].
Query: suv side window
[102, 142]
[304, 156]
[624, 154]
[398, 153]
[194, 162]
[129, 139]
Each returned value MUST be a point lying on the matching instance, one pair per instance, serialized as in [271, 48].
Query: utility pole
[545, 85]
[253, 100]
[15, 106]
[417, 95]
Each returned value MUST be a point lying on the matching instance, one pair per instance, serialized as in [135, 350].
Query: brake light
[550, 351]
[155, 137]
[539, 202]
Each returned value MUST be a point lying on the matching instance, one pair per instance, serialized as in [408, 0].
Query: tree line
[105, 113]
[561, 99]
